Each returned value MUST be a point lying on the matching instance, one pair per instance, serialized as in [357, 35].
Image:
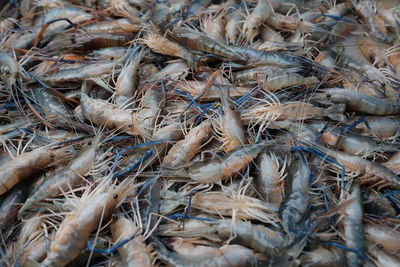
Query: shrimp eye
[186, 168]
[290, 258]
[232, 107]
[52, 156]
[130, 125]
[254, 28]
[380, 246]
[378, 142]
[115, 196]
[114, 217]
[215, 232]
[296, 157]
[328, 95]
[89, 143]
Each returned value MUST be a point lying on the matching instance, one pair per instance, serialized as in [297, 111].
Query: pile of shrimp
[200, 133]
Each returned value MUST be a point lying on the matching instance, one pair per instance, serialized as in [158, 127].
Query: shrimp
[214, 170]
[190, 254]
[355, 144]
[27, 164]
[233, 133]
[288, 23]
[258, 237]
[352, 226]
[292, 111]
[288, 256]
[102, 112]
[386, 128]
[235, 205]
[260, 14]
[152, 103]
[184, 151]
[196, 89]
[383, 236]
[372, 50]
[356, 101]
[177, 70]
[56, 111]
[81, 73]
[198, 41]
[268, 182]
[357, 165]
[135, 252]
[128, 80]
[162, 45]
[76, 227]
[65, 178]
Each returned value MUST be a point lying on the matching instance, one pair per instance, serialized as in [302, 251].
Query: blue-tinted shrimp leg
[193, 101]
[322, 156]
[111, 250]
[136, 165]
[358, 252]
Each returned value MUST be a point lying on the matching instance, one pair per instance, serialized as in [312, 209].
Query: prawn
[231, 124]
[162, 45]
[66, 178]
[27, 164]
[184, 150]
[356, 101]
[214, 170]
[135, 252]
[76, 227]
[102, 112]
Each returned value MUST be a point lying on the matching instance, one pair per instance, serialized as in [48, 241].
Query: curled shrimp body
[27, 164]
[214, 170]
[359, 102]
[76, 227]
[101, 112]
[233, 25]
[135, 252]
[66, 178]
[183, 151]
